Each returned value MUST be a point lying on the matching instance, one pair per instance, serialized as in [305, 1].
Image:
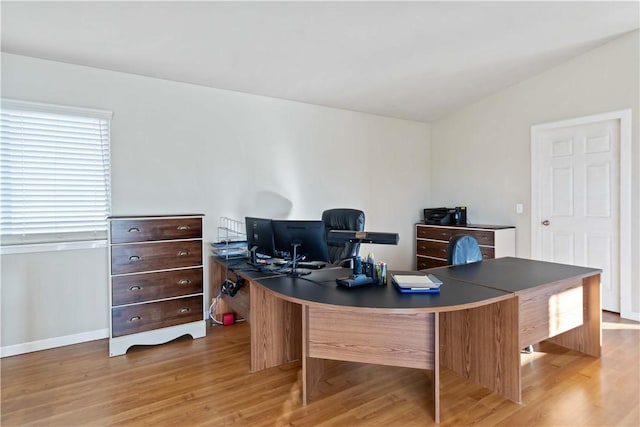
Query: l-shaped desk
[484, 314]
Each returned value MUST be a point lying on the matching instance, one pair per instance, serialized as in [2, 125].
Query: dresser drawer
[432, 248]
[439, 249]
[423, 263]
[136, 288]
[135, 258]
[145, 317]
[483, 237]
[144, 230]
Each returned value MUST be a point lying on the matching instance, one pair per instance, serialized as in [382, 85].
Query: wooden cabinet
[156, 280]
[432, 241]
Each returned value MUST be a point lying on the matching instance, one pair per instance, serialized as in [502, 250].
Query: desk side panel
[586, 338]
[550, 310]
[481, 344]
[405, 340]
[276, 329]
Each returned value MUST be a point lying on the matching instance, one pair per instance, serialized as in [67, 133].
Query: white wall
[180, 148]
[482, 152]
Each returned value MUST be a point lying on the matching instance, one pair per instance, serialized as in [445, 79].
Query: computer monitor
[260, 236]
[309, 237]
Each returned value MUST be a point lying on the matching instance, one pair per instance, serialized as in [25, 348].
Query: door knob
[545, 222]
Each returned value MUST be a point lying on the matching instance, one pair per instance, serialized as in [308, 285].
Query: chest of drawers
[156, 280]
[495, 241]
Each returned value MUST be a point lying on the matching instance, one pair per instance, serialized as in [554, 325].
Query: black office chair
[342, 219]
[463, 249]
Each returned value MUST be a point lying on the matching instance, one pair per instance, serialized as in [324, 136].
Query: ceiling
[410, 60]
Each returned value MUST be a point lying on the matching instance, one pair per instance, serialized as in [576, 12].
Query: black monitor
[308, 236]
[260, 236]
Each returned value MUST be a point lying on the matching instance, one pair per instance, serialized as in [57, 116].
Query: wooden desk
[476, 329]
[556, 302]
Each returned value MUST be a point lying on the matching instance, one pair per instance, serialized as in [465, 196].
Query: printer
[446, 216]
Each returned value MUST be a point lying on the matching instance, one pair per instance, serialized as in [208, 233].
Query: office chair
[463, 249]
[342, 219]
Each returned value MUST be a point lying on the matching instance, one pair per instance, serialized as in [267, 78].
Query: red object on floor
[228, 319]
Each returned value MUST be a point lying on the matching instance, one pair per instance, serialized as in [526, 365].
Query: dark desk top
[240, 265]
[512, 274]
[320, 288]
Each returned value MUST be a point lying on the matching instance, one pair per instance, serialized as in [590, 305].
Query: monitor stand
[294, 271]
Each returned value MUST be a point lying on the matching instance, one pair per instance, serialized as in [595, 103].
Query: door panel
[579, 174]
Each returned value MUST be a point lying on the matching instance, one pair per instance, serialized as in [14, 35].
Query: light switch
[519, 208]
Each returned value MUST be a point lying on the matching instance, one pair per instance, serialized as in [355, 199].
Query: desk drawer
[144, 230]
[145, 317]
[141, 257]
[445, 234]
[137, 288]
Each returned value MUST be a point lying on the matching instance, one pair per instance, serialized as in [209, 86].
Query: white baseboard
[28, 347]
[630, 315]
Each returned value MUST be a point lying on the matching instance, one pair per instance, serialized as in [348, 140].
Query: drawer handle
[184, 310]
[134, 258]
[183, 253]
[134, 230]
[134, 318]
[183, 227]
[184, 282]
[135, 288]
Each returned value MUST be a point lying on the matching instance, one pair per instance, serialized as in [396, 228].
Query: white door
[578, 215]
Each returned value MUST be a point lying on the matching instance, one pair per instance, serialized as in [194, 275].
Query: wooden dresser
[496, 241]
[156, 280]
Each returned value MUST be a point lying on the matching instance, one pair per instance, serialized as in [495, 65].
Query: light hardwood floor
[206, 382]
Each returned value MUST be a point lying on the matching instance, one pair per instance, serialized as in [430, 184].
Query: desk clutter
[367, 272]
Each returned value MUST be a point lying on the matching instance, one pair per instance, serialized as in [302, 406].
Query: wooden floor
[206, 382]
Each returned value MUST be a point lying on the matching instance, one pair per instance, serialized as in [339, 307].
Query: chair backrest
[342, 219]
[463, 249]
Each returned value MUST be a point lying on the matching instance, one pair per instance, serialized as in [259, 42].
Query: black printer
[446, 216]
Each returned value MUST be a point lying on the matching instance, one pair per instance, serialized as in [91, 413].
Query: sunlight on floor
[618, 326]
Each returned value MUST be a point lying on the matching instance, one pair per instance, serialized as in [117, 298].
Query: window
[55, 173]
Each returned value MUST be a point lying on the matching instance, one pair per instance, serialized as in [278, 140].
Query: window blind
[55, 173]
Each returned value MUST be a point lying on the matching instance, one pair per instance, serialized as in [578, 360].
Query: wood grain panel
[481, 344]
[586, 338]
[141, 257]
[385, 339]
[145, 317]
[312, 368]
[440, 249]
[143, 230]
[422, 263]
[154, 286]
[550, 310]
[276, 329]
[432, 248]
[445, 234]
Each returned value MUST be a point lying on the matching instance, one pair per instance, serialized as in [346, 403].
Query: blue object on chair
[463, 249]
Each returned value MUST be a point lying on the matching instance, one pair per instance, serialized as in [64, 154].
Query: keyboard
[312, 265]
